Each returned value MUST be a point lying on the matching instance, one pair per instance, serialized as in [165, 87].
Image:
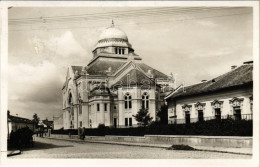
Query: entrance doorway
[115, 122]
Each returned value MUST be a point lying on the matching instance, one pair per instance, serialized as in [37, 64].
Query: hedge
[226, 127]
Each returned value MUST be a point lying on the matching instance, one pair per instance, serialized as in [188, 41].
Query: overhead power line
[109, 15]
[140, 23]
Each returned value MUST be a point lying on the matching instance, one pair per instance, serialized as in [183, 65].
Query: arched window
[128, 101]
[145, 101]
[217, 106]
[187, 109]
[236, 104]
[200, 108]
[70, 99]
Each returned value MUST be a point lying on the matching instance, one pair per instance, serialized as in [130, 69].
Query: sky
[192, 45]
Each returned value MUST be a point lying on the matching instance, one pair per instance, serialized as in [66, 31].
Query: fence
[223, 117]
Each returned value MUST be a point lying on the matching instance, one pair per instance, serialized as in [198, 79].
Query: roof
[134, 77]
[154, 72]
[113, 32]
[104, 67]
[101, 67]
[16, 119]
[241, 76]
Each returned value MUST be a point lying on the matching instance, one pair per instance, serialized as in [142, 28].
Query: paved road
[51, 148]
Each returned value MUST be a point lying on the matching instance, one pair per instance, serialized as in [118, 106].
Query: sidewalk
[243, 151]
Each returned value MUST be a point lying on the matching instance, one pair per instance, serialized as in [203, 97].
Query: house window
[128, 101]
[236, 104]
[98, 107]
[237, 113]
[200, 115]
[105, 107]
[126, 121]
[217, 113]
[217, 105]
[187, 117]
[80, 123]
[115, 50]
[251, 104]
[200, 107]
[130, 121]
[187, 108]
[145, 101]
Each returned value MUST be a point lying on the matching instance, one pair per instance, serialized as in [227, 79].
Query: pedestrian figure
[83, 133]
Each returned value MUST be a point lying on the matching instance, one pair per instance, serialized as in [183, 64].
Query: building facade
[227, 96]
[15, 123]
[112, 87]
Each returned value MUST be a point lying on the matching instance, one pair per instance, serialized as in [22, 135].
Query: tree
[143, 117]
[36, 119]
[163, 114]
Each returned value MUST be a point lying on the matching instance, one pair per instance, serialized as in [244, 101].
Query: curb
[112, 143]
[142, 145]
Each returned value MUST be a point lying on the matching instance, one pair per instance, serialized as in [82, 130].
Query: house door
[115, 122]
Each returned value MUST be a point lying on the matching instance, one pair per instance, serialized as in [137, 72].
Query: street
[51, 148]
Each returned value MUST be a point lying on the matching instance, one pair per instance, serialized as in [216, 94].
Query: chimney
[248, 62]
[203, 80]
[233, 67]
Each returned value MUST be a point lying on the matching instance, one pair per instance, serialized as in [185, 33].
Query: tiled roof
[104, 67]
[154, 72]
[16, 119]
[240, 76]
[134, 77]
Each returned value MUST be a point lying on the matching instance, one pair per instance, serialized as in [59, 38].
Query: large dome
[113, 33]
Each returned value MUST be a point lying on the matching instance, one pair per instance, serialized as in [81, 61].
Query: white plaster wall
[208, 112]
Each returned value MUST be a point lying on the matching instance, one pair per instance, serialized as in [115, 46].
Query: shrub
[227, 127]
[21, 138]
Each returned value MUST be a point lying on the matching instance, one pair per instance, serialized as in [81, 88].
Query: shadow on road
[42, 146]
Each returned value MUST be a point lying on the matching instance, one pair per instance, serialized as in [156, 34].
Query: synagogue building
[112, 87]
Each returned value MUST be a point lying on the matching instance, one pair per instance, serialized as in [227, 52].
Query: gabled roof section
[134, 77]
[154, 72]
[105, 67]
[241, 76]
